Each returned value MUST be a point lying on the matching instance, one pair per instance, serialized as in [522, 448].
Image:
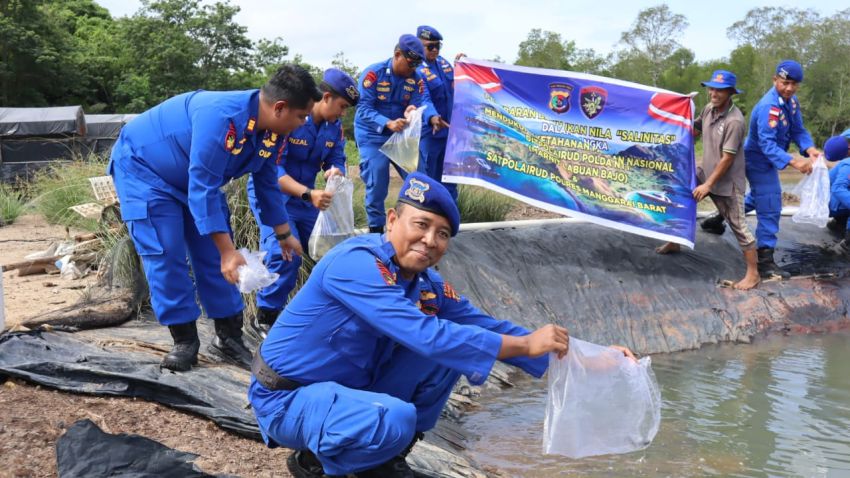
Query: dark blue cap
[411, 47]
[427, 194]
[428, 33]
[836, 148]
[790, 70]
[341, 84]
[722, 79]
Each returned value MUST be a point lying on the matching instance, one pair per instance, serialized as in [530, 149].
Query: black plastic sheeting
[58, 120]
[85, 451]
[610, 287]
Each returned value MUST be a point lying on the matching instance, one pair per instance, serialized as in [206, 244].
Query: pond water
[777, 407]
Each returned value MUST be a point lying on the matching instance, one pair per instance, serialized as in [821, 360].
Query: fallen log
[114, 308]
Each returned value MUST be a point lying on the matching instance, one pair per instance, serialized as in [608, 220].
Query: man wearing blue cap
[837, 148]
[318, 145]
[721, 175]
[362, 360]
[775, 122]
[439, 78]
[169, 165]
[388, 90]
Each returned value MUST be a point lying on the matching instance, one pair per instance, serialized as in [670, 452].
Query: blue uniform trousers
[353, 430]
[375, 173]
[765, 197]
[432, 153]
[301, 222]
[163, 240]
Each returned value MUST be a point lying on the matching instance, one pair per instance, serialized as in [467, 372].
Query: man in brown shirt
[722, 175]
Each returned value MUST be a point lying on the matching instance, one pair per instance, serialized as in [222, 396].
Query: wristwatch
[284, 236]
[306, 194]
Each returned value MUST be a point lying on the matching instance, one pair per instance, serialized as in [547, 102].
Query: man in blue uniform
[169, 165]
[837, 148]
[388, 90]
[439, 78]
[319, 145]
[775, 122]
[363, 359]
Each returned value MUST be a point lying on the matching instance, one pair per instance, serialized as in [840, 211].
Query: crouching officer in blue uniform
[837, 148]
[775, 122]
[362, 360]
[169, 165]
[319, 145]
[388, 90]
[439, 76]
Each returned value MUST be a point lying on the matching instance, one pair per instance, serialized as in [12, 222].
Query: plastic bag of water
[336, 223]
[403, 146]
[599, 402]
[814, 196]
[254, 275]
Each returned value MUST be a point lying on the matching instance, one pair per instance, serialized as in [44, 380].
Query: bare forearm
[721, 169]
[288, 185]
[223, 243]
[513, 346]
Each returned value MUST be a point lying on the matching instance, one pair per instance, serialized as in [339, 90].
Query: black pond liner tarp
[610, 287]
[85, 450]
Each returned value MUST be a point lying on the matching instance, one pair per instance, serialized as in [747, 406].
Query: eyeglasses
[434, 46]
[413, 62]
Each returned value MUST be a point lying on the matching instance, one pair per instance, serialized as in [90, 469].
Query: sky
[367, 31]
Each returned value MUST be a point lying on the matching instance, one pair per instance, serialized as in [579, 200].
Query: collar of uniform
[253, 110]
[389, 67]
[386, 252]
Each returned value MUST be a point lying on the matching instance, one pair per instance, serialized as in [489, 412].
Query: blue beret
[836, 148]
[427, 194]
[428, 33]
[790, 70]
[722, 79]
[411, 47]
[342, 84]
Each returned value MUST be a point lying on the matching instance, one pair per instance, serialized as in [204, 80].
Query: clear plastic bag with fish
[403, 146]
[599, 402]
[813, 191]
[254, 275]
[336, 223]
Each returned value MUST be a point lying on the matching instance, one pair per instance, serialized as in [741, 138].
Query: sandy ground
[33, 417]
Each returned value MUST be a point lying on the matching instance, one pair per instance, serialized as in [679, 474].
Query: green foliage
[653, 38]
[482, 205]
[56, 189]
[11, 205]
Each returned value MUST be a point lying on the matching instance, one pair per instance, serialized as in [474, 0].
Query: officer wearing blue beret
[439, 77]
[775, 122]
[837, 148]
[363, 359]
[319, 145]
[168, 166]
[388, 90]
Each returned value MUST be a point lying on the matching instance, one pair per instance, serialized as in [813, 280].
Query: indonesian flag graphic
[483, 76]
[671, 108]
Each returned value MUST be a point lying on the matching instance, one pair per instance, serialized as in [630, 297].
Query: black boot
[227, 343]
[376, 229]
[767, 268]
[264, 320]
[397, 467]
[184, 352]
[304, 464]
[713, 224]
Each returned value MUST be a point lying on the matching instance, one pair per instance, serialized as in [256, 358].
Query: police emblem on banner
[559, 97]
[592, 100]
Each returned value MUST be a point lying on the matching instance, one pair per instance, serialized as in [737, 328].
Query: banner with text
[612, 152]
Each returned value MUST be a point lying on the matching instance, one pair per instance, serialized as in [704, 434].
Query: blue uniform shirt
[439, 78]
[384, 97]
[312, 148]
[355, 308]
[774, 124]
[839, 186]
[191, 145]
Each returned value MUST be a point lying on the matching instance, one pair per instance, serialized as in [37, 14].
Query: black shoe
[397, 467]
[264, 321]
[767, 267]
[304, 464]
[227, 343]
[713, 224]
[837, 225]
[376, 229]
[184, 352]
